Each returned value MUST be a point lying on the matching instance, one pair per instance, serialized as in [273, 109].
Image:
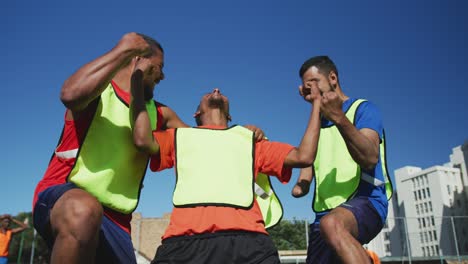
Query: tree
[41, 252]
[289, 235]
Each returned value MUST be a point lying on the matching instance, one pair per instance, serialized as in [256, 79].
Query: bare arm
[304, 155]
[21, 228]
[91, 79]
[363, 145]
[140, 121]
[171, 119]
[303, 182]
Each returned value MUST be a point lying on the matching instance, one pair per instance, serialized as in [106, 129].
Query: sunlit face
[313, 77]
[214, 100]
[156, 73]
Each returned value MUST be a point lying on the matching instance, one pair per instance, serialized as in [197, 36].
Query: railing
[409, 239]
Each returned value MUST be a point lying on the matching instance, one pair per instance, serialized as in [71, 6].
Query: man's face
[313, 77]
[214, 100]
[156, 74]
[5, 222]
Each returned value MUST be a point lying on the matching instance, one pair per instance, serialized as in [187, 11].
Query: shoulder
[368, 116]
[367, 106]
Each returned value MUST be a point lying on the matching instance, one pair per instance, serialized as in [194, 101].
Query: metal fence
[408, 239]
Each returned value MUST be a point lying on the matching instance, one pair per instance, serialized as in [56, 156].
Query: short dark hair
[151, 41]
[323, 63]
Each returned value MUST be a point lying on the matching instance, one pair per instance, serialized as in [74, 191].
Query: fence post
[455, 237]
[407, 239]
[32, 247]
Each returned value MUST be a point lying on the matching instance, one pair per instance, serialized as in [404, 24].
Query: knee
[79, 216]
[85, 212]
[331, 228]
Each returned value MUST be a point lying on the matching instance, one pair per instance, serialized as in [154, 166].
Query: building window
[448, 189]
[424, 193]
[425, 207]
[417, 182]
[419, 221]
[386, 236]
[423, 222]
[419, 194]
[428, 193]
[435, 237]
[417, 209]
[430, 236]
[421, 237]
[424, 251]
[415, 196]
[387, 248]
[437, 249]
[432, 220]
[430, 206]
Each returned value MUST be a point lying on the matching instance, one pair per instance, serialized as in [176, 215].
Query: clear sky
[408, 57]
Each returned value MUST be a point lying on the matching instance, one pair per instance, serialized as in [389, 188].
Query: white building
[424, 211]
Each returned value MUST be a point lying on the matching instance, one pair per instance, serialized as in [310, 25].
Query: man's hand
[310, 91]
[135, 43]
[258, 132]
[331, 106]
[144, 66]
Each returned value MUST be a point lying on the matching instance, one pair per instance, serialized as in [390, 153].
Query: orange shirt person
[212, 230]
[6, 234]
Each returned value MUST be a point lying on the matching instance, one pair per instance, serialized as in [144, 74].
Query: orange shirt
[269, 158]
[5, 243]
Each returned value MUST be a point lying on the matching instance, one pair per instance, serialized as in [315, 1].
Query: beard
[216, 103]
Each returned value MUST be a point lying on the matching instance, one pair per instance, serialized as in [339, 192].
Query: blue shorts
[3, 260]
[369, 225]
[115, 245]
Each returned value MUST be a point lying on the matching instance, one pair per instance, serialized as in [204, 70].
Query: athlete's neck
[122, 79]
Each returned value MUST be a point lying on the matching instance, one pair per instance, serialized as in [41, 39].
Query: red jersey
[269, 159]
[63, 159]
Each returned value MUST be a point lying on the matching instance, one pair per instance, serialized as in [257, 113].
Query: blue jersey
[367, 116]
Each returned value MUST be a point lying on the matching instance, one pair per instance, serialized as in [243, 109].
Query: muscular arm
[363, 145]
[139, 119]
[171, 119]
[90, 80]
[304, 155]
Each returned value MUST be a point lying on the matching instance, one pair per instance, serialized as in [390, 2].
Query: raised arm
[90, 80]
[304, 155]
[363, 144]
[21, 225]
[140, 121]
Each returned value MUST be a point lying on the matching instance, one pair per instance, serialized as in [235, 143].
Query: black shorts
[221, 247]
[115, 245]
[369, 225]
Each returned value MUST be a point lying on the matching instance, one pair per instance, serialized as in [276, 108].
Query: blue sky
[408, 57]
